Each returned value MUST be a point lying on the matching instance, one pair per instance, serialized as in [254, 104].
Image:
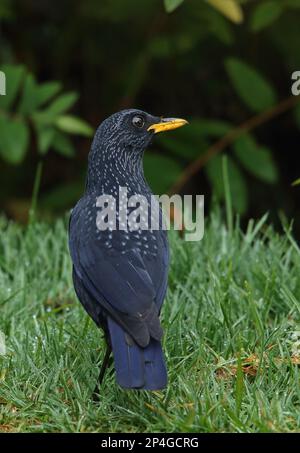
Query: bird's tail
[137, 367]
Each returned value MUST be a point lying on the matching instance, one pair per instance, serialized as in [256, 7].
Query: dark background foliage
[218, 63]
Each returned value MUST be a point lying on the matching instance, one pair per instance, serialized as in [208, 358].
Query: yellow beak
[167, 124]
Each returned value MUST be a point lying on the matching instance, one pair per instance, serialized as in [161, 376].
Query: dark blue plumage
[120, 277]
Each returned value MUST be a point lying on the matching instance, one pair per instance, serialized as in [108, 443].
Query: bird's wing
[120, 283]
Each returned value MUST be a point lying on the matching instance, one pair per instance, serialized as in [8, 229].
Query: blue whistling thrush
[120, 274]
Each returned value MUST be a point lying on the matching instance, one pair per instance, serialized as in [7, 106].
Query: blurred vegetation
[49, 120]
[224, 65]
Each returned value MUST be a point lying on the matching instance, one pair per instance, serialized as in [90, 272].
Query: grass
[232, 337]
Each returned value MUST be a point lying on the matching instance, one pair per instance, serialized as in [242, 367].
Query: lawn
[232, 337]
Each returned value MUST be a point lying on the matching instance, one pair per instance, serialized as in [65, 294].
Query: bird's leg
[104, 365]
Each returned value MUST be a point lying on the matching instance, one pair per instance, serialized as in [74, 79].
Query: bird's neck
[111, 169]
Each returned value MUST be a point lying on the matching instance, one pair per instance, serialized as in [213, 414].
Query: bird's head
[120, 141]
[133, 129]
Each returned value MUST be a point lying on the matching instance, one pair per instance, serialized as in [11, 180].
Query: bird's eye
[138, 121]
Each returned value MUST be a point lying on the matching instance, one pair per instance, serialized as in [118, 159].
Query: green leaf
[238, 188]
[169, 172]
[211, 128]
[220, 27]
[186, 142]
[251, 86]
[265, 14]
[62, 103]
[46, 91]
[171, 5]
[14, 139]
[63, 145]
[73, 125]
[14, 75]
[214, 174]
[28, 98]
[51, 113]
[229, 8]
[189, 142]
[186, 148]
[35, 95]
[256, 159]
[296, 183]
[45, 137]
[43, 118]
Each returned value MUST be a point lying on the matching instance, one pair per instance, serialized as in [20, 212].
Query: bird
[120, 275]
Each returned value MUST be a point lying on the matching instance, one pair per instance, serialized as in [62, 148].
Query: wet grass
[232, 337]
